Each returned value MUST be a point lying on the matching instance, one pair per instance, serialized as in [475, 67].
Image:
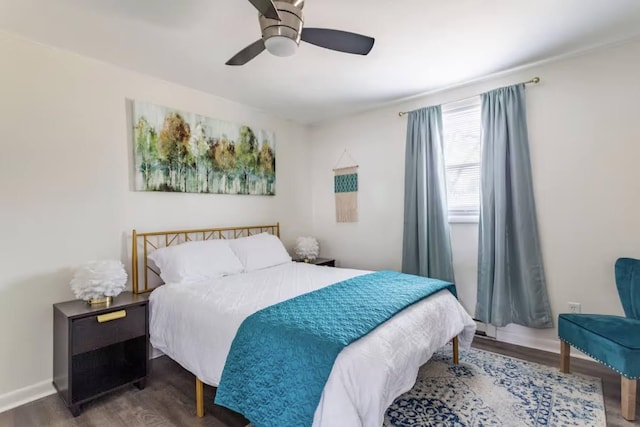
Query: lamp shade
[307, 248]
[97, 279]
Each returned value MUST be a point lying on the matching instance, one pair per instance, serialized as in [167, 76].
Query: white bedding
[195, 324]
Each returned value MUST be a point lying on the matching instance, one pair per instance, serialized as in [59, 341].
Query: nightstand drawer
[93, 332]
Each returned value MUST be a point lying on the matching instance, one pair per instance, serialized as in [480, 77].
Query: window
[461, 130]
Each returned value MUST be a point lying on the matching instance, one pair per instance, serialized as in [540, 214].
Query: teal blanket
[282, 355]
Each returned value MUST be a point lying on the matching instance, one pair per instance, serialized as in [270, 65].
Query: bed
[195, 324]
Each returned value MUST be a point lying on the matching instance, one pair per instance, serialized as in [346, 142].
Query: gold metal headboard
[158, 239]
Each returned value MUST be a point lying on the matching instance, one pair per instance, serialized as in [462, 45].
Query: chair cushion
[612, 340]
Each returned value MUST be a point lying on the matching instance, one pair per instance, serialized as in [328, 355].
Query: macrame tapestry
[346, 189]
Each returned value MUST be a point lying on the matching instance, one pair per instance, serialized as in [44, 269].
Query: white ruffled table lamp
[97, 282]
[307, 248]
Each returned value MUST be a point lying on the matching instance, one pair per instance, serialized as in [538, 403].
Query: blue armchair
[611, 340]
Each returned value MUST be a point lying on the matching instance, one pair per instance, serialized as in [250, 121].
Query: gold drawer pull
[112, 316]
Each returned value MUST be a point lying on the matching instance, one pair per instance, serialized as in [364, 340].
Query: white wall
[65, 193]
[585, 146]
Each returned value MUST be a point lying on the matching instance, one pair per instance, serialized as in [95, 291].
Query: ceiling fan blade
[248, 53]
[266, 8]
[341, 41]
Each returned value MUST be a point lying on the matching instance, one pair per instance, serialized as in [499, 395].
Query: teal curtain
[511, 282]
[426, 248]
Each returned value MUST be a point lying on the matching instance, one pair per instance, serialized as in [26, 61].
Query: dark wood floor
[169, 398]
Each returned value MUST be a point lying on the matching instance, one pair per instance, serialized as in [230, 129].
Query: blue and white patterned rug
[487, 389]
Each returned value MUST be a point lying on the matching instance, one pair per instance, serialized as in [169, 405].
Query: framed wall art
[177, 151]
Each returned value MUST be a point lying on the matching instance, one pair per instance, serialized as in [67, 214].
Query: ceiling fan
[281, 22]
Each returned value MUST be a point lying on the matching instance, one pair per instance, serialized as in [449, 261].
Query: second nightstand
[98, 349]
[327, 262]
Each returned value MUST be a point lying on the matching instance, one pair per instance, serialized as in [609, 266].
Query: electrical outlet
[575, 307]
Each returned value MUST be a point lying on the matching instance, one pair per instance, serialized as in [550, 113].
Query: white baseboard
[36, 391]
[545, 344]
[25, 395]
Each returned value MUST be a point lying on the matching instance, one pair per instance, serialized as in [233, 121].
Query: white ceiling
[421, 45]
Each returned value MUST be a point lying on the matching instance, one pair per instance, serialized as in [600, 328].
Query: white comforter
[195, 325]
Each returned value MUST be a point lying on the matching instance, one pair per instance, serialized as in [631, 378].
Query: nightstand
[328, 262]
[98, 349]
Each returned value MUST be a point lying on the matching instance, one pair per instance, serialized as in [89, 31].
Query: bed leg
[199, 398]
[456, 354]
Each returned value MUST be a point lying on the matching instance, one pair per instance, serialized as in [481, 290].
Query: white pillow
[194, 261]
[259, 251]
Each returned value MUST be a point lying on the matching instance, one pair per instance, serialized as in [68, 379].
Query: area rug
[487, 389]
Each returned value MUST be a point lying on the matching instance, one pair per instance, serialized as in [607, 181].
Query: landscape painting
[176, 151]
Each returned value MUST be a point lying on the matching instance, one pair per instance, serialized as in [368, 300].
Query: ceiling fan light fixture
[281, 46]
[282, 34]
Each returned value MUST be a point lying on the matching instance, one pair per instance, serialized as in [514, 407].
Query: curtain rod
[534, 80]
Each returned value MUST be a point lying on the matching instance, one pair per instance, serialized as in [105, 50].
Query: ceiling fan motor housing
[290, 25]
[282, 32]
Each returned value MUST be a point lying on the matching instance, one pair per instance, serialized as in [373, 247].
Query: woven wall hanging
[345, 184]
